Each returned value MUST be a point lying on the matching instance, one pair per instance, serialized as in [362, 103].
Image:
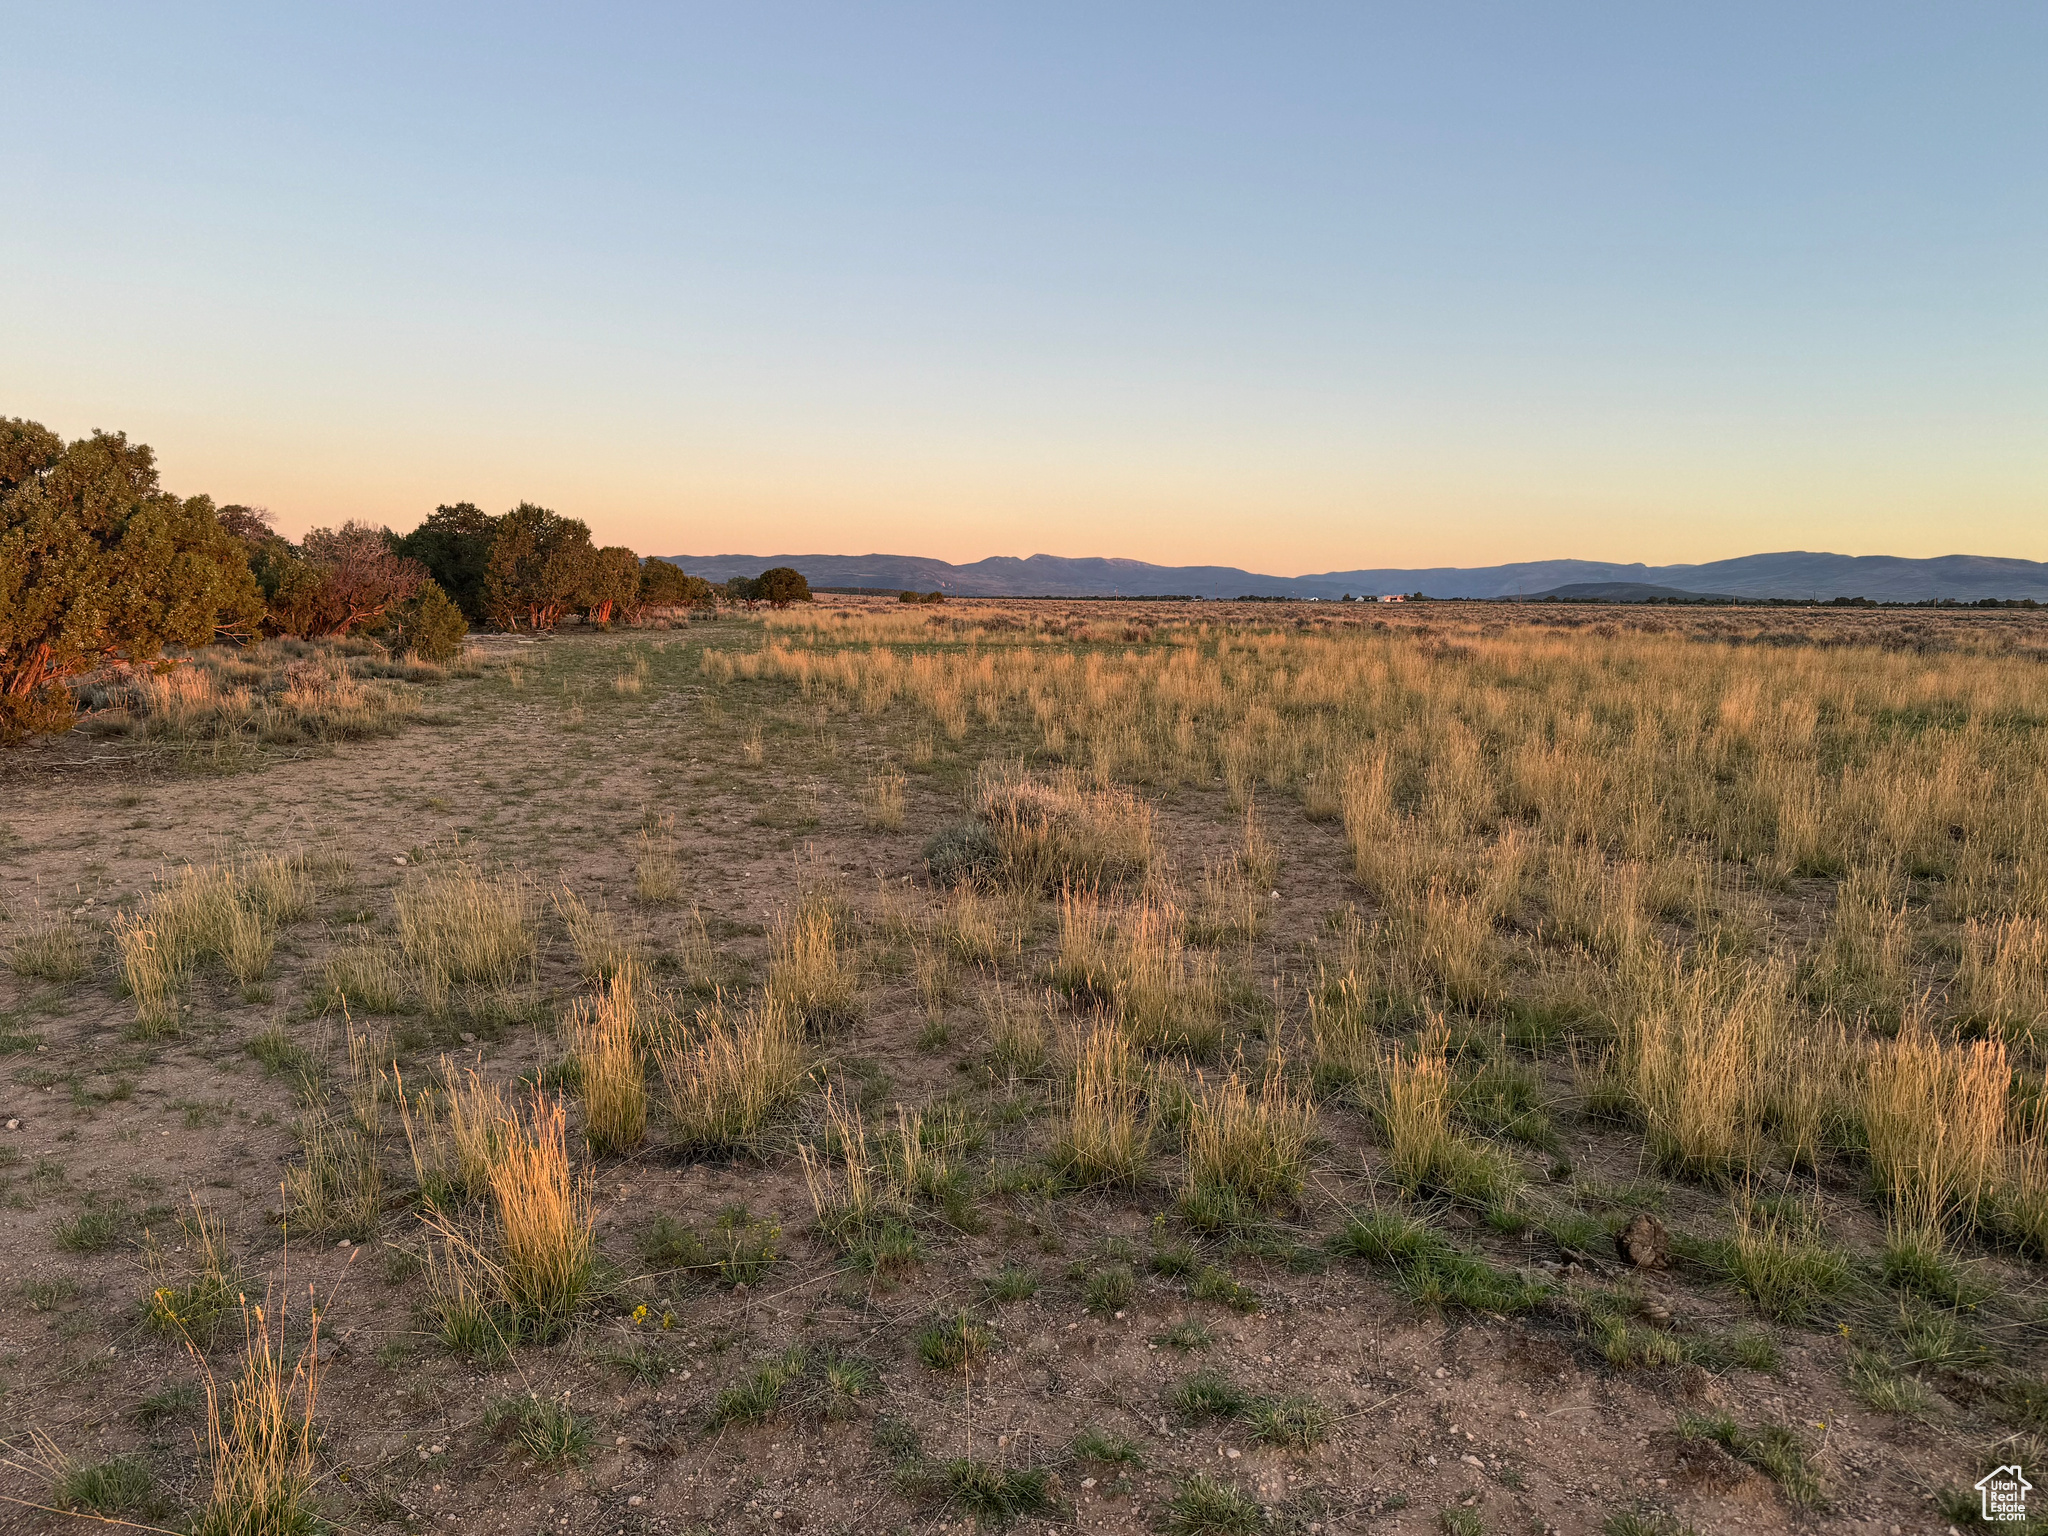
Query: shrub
[429, 624]
[962, 852]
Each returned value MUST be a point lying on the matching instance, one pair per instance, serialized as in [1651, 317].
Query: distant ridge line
[1793, 574]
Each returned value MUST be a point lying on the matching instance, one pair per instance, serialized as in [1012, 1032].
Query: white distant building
[1394, 597]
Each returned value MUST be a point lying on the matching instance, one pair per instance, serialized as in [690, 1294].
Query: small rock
[1233, 1453]
[1087, 1482]
[468, 1038]
[342, 1244]
[1644, 1242]
[1655, 1311]
[14, 1125]
[636, 1501]
[400, 859]
[1441, 1373]
[1472, 1461]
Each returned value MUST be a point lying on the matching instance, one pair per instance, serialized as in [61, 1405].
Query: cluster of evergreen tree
[99, 564]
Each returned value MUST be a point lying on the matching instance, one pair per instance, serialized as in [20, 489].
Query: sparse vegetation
[1723, 919]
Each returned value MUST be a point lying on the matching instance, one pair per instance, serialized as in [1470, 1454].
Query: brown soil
[1519, 1423]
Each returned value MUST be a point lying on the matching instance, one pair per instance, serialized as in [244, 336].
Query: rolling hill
[1791, 574]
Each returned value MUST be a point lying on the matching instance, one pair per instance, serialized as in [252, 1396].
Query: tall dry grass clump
[723, 1081]
[49, 946]
[606, 1036]
[1426, 1150]
[1344, 1041]
[1415, 1108]
[882, 800]
[2002, 983]
[1934, 1116]
[658, 870]
[848, 1177]
[546, 1252]
[1253, 1144]
[1100, 1137]
[1055, 830]
[809, 979]
[1164, 996]
[460, 927]
[224, 913]
[261, 1444]
[594, 934]
[1689, 1056]
[366, 976]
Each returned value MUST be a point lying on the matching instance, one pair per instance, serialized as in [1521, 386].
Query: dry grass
[1100, 1137]
[1934, 1115]
[2002, 982]
[1056, 831]
[882, 800]
[1253, 1144]
[606, 1036]
[49, 946]
[226, 914]
[809, 979]
[723, 1081]
[985, 928]
[460, 927]
[1689, 1056]
[1017, 1033]
[1164, 996]
[545, 1249]
[336, 1188]
[658, 871]
[1426, 1151]
[366, 977]
[601, 950]
[261, 1443]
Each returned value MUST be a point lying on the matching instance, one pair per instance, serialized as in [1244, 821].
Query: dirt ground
[1450, 1421]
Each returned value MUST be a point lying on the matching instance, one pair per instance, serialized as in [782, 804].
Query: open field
[1205, 1068]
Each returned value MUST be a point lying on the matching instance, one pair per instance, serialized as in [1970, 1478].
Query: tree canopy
[614, 583]
[540, 566]
[454, 544]
[98, 563]
[781, 585]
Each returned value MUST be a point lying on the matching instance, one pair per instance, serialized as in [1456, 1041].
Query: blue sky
[1294, 288]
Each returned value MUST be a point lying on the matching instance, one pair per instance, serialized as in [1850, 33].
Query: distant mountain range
[1795, 574]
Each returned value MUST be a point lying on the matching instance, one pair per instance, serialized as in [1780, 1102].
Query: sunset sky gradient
[1291, 287]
